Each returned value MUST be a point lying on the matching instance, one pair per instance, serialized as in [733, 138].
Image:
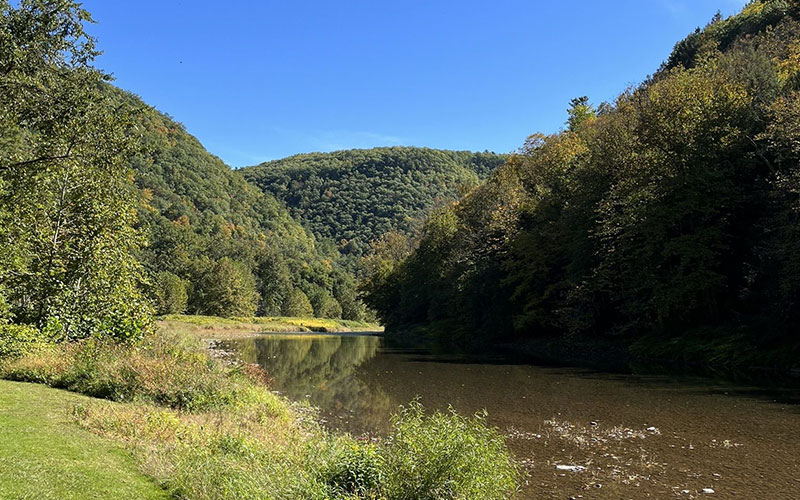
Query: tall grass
[209, 430]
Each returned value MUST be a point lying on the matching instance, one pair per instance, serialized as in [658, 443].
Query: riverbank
[45, 455]
[203, 429]
[231, 328]
[578, 432]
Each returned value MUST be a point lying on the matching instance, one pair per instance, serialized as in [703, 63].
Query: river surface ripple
[580, 434]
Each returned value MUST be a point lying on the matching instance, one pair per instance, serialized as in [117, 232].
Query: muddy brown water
[579, 434]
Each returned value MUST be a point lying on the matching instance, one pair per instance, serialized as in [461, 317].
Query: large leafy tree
[66, 195]
[671, 214]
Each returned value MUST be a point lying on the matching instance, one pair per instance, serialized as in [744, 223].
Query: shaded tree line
[670, 214]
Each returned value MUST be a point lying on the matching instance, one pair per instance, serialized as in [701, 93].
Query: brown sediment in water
[579, 434]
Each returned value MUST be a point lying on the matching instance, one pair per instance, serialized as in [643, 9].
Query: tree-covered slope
[352, 197]
[217, 245]
[669, 218]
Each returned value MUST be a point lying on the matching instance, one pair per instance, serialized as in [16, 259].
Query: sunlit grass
[212, 326]
[43, 455]
[204, 429]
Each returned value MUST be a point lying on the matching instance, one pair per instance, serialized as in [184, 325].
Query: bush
[166, 370]
[18, 340]
[445, 456]
[206, 430]
[355, 471]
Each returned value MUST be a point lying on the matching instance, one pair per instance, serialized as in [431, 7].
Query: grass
[206, 430]
[44, 456]
[212, 326]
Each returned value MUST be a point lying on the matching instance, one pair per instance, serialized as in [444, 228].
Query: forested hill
[667, 220]
[218, 245]
[352, 197]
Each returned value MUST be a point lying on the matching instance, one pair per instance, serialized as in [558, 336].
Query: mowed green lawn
[43, 455]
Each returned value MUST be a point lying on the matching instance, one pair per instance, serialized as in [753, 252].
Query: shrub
[206, 430]
[17, 340]
[355, 471]
[445, 456]
[166, 370]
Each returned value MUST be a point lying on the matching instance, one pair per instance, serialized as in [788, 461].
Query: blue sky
[259, 80]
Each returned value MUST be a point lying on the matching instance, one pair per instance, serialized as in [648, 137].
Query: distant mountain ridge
[352, 197]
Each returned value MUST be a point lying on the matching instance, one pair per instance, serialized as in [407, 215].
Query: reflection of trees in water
[325, 368]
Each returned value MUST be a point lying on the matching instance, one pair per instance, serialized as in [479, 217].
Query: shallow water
[630, 437]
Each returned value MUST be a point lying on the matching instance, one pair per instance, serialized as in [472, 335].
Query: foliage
[164, 369]
[674, 211]
[228, 289]
[18, 340]
[197, 212]
[169, 294]
[324, 305]
[352, 197]
[580, 112]
[66, 198]
[297, 304]
[205, 429]
[355, 472]
[446, 456]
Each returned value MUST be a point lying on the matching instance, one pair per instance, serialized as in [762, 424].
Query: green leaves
[672, 211]
[66, 191]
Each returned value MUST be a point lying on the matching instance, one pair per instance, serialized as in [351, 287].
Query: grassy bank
[44, 455]
[206, 430]
[212, 326]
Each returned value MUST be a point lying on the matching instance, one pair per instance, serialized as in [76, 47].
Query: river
[580, 434]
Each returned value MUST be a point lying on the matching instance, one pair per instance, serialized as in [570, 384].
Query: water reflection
[636, 436]
[323, 369]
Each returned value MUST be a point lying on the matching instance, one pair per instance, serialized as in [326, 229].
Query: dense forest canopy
[108, 205]
[350, 198]
[189, 234]
[671, 213]
[219, 245]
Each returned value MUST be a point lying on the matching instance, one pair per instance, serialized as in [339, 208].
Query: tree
[170, 295]
[580, 112]
[298, 305]
[324, 305]
[228, 289]
[274, 283]
[66, 196]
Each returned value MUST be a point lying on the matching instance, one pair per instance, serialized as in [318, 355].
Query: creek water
[579, 434]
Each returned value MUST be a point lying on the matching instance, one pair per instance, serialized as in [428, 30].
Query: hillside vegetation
[666, 221]
[220, 246]
[350, 198]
